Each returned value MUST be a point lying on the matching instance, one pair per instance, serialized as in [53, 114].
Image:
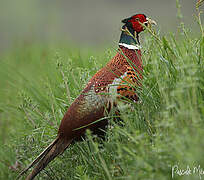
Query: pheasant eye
[137, 19]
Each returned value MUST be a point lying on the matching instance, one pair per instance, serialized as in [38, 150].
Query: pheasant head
[136, 22]
[132, 27]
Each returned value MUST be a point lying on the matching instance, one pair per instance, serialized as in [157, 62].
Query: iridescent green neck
[128, 37]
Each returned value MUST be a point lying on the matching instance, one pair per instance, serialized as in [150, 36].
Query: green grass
[38, 84]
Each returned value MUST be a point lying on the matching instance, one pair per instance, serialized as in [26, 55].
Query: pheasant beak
[150, 22]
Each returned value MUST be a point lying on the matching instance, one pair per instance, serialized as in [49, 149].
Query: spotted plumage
[127, 87]
[118, 79]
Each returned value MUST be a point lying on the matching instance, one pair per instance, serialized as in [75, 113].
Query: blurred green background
[85, 22]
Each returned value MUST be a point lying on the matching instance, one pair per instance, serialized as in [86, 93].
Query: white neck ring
[130, 46]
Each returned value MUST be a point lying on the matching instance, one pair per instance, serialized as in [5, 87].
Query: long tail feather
[38, 158]
[55, 148]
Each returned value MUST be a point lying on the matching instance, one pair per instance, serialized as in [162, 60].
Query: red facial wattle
[137, 22]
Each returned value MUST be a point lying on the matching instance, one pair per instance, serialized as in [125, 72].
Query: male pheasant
[101, 93]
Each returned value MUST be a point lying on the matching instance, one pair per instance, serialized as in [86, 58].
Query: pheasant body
[99, 96]
[116, 80]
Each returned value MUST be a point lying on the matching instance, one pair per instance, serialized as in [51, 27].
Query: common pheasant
[116, 80]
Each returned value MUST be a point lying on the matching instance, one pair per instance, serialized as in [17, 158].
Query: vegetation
[38, 84]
